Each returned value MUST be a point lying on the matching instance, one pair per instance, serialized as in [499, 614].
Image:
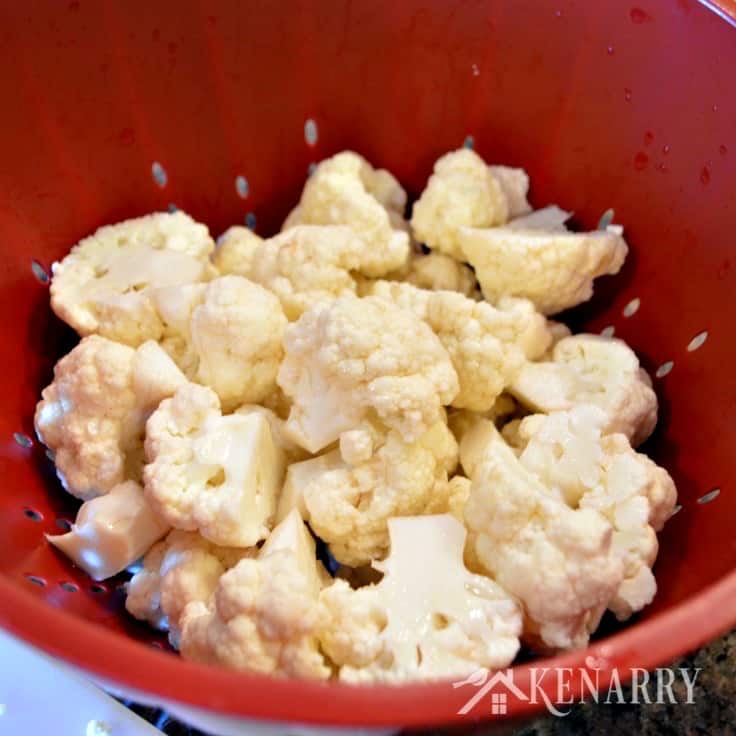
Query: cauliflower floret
[103, 286]
[236, 334]
[181, 569]
[557, 561]
[111, 531]
[346, 190]
[589, 369]
[462, 191]
[293, 453]
[93, 415]
[487, 346]
[236, 251]
[555, 270]
[348, 357]
[428, 618]
[515, 185]
[264, 615]
[348, 504]
[439, 272]
[219, 475]
[453, 500]
[604, 473]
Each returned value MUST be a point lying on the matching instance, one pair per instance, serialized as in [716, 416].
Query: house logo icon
[499, 686]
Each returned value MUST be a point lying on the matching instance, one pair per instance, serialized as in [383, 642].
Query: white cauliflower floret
[352, 356]
[293, 453]
[181, 569]
[589, 369]
[103, 286]
[264, 615]
[93, 415]
[346, 190]
[236, 334]
[604, 473]
[306, 265]
[236, 250]
[515, 185]
[557, 561]
[453, 500]
[428, 618]
[219, 475]
[555, 270]
[439, 272]
[462, 191]
[111, 531]
[487, 346]
[348, 504]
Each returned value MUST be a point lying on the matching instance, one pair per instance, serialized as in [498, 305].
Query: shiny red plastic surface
[606, 104]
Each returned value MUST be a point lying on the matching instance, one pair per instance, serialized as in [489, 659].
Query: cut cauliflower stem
[181, 569]
[428, 618]
[603, 473]
[555, 270]
[93, 415]
[439, 272]
[236, 334]
[351, 357]
[303, 266]
[464, 191]
[487, 346]
[264, 614]
[111, 531]
[348, 498]
[589, 369]
[103, 285]
[347, 190]
[219, 475]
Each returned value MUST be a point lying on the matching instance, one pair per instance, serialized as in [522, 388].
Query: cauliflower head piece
[440, 272]
[92, 416]
[264, 614]
[590, 369]
[554, 270]
[346, 190]
[350, 357]
[428, 617]
[103, 285]
[219, 475]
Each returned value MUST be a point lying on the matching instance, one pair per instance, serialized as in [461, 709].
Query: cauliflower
[549, 219]
[219, 475]
[93, 415]
[464, 191]
[453, 500]
[264, 614]
[111, 531]
[293, 453]
[181, 569]
[487, 346]
[346, 190]
[352, 356]
[439, 272]
[515, 186]
[603, 473]
[589, 369]
[348, 498]
[555, 270]
[103, 285]
[428, 618]
[235, 252]
[236, 334]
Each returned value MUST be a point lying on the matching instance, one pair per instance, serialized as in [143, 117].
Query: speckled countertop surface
[712, 713]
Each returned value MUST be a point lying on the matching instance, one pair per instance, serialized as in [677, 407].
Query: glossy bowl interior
[116, 109]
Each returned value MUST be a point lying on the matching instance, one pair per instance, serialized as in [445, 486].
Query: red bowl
[609, 104]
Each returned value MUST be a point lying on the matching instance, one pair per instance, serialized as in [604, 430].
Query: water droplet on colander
[714, 108]
[697, 341]
[705, 175]
[475, 70]
[632, 307]
[242, 187]
[648, 138]
[638, 16]
[640, 161]
[722, 150]
[664, 369]
[310, 132]
[627, 94]
[611, 50]
[558, 14]
[666, 148]
[159, 174]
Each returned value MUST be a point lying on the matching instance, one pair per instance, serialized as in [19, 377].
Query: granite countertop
[713, 712]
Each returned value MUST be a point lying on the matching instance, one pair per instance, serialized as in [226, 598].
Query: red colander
[114, 109]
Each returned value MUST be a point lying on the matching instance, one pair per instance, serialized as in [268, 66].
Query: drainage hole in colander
[32, 514]
[664, 369]
[606, 219]
[697, 341]
[311, 134]
[22, 439]
[608, 331]
[710, 496]
[36, 580]
[159, 174]
[242, 187]
[469, 142]
[677, 509]
[41, 274]
[97, 588]
[311, 168]
[250, 220]
[631, 308]
[173, 208]
[64, 524]
[69, 587]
